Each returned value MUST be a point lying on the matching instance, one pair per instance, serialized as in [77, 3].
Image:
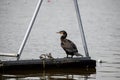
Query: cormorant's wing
[72, 44]
[69, 46]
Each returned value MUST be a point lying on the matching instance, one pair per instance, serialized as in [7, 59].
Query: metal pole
[8, 54]
[29, 29]
[81, 28]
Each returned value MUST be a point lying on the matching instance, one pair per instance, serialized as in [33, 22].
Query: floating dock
[48, 74]
[46, 64]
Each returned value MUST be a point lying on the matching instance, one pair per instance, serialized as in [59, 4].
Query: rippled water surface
[101, 21]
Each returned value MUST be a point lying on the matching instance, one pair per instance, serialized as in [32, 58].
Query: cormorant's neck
[63, 36]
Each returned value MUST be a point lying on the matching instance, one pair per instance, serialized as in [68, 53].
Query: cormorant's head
[62, 32]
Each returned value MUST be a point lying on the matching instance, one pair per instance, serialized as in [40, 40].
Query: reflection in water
[56, 74]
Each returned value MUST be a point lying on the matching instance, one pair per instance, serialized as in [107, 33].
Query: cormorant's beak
[58, 32]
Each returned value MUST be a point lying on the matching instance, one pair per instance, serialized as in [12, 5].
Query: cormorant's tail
[78, 54]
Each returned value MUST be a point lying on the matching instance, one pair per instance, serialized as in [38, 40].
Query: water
[101, 24]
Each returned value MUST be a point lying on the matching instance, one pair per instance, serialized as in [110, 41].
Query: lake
[101, 24]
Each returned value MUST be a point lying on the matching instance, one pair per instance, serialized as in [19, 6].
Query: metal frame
[31, 25]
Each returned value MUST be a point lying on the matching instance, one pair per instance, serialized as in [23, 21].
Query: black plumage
[68, 46]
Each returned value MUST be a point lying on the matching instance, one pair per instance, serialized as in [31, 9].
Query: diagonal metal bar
[29, 29]
[81, 28]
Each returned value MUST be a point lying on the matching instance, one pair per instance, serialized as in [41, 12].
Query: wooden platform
[45, 64]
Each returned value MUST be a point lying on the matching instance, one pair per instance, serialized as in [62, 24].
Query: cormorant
[68, 46]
